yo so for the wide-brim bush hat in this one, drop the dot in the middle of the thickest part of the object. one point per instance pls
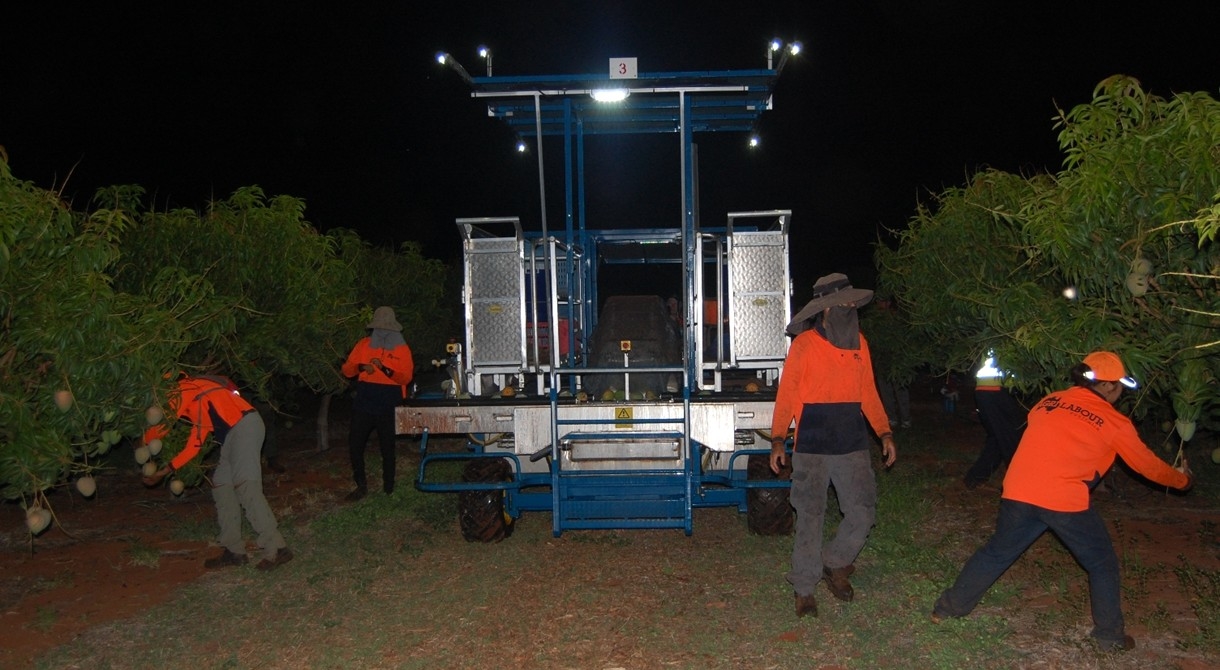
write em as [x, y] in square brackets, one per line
[383, 317]
[831, 290]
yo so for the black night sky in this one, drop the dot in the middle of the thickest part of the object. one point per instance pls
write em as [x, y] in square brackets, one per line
[345, 106]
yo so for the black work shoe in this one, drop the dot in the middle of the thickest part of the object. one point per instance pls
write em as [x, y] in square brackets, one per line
[1125, 644]
[806, 605]
[226, 560]
[358, 494]
[837, 581]
[282, 556]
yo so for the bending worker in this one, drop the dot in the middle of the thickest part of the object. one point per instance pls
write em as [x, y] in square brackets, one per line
[215, 410]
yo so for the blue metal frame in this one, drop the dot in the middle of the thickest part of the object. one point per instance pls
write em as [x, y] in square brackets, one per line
[676, 102]
[718, 488]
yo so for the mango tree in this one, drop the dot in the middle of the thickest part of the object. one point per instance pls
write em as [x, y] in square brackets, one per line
[287, 303]
[419, 289]
[99, 310]
[1116, 251]
[80, 361]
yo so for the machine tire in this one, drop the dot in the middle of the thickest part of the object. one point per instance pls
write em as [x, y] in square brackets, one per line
[768, 511]
[481, 513]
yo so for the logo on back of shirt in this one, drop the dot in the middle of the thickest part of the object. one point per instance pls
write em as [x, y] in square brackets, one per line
[1052, 403]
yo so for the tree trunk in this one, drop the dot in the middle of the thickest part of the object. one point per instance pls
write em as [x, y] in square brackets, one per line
[323, 433]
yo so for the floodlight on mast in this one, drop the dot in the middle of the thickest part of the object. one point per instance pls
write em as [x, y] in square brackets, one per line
[774, 45]
[444, 58]
[793, 49]
[485, 54]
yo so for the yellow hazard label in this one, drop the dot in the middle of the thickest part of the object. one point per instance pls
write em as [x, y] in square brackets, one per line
[623, 417]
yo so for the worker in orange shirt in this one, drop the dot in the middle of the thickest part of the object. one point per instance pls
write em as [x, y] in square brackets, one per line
[827, 389]
[215, 410]
[382, 366]
[1071, 440]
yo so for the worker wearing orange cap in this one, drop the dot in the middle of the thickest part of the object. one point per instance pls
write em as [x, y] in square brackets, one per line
[1070, 442]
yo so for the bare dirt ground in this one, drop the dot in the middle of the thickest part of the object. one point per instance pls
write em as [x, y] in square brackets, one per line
[92, 566]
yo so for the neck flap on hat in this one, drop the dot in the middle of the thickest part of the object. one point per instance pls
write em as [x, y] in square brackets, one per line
[841, 326]
[383, 338]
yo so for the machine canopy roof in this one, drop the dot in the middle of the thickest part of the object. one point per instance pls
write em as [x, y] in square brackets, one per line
[730, 100]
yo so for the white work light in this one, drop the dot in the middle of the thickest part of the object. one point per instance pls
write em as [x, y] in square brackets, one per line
[444, 58]
[485, 54]
[610, 94]
[774, 45]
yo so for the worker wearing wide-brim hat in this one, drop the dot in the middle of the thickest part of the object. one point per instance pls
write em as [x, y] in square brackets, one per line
[828, 391]
[383, 368]
[1071, 440]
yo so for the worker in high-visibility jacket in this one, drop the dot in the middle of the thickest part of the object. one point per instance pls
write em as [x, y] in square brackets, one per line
[827, 389]
[1003, 421]
[383, 368]
[216, 411]
[1070, 442]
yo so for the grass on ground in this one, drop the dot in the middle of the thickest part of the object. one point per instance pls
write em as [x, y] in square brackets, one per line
[389, 583]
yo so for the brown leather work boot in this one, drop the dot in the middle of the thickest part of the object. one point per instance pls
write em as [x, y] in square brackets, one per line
[806, 605]
[837, 581]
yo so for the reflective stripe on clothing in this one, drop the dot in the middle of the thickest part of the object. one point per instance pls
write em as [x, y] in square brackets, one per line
[211, 407]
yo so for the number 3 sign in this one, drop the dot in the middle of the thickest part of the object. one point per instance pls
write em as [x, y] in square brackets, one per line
[623, 68]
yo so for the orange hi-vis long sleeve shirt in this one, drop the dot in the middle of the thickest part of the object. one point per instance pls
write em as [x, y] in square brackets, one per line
[1071, 440]
[397, 360]
[209, 406]
[829, 392]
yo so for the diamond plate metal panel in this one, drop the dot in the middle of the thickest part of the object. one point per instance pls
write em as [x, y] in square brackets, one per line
[495, 286]
[758, 295]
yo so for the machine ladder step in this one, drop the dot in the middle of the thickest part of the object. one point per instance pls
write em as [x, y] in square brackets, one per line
[640, 499]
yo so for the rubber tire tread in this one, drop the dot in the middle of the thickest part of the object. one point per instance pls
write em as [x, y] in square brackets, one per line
[768, 511]
[481, 513]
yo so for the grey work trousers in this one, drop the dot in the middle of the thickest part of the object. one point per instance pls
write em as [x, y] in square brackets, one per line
[856, 487]
[237, 484]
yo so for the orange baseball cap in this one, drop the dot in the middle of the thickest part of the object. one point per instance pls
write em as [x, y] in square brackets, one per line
[1106, 366]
